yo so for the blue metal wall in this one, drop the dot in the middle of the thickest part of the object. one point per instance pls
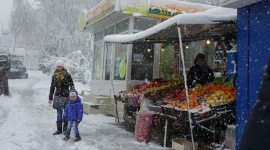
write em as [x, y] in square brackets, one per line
[253, 35]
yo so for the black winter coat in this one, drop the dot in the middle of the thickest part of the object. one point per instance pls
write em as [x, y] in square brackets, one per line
[256, 133]
[199, 75]
[63, 90]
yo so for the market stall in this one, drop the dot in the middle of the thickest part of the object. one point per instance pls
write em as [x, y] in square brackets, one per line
[172, 100]
[206, 103]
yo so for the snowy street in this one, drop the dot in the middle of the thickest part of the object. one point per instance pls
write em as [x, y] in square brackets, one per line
[28, 122]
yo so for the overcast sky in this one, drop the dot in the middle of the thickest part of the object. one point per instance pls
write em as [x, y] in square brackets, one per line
[5, 9]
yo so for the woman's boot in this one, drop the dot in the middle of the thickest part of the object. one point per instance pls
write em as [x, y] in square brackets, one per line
[65, 127]
[59, 128]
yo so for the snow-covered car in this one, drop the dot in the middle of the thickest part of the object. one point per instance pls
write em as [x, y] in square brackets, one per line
[17, 70]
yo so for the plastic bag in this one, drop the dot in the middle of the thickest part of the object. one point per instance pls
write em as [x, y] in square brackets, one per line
[145, 105]
[144, 122]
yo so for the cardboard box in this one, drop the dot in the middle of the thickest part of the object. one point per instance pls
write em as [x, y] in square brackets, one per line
[183, 144]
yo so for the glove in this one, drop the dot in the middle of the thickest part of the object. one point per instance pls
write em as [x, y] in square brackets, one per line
[50, 101]
[78, 121]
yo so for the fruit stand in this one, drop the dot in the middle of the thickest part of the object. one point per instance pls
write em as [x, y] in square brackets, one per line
[178, 109]
[208, 105]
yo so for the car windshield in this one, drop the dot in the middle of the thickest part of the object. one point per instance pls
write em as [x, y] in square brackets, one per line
[15, 63]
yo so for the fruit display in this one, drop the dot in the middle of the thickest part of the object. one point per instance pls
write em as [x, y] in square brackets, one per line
[155, 90]
[202, 99]
[176, 95]
[224, 80]
[220, 98]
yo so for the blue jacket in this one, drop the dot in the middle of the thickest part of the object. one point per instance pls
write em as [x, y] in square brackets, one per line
[74, 110]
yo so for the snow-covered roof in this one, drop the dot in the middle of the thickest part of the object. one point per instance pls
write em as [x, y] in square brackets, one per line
[193, 24]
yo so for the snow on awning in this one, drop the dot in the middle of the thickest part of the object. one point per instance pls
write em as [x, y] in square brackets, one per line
[146, 8]
[195, 26]
[237, 3]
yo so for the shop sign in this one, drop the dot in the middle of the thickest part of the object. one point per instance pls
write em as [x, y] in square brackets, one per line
[102, 10]
[158, 13]
[166, 9]
[159, 8]
[134, 7]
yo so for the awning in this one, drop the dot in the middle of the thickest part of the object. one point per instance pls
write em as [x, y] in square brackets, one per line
[214, 22]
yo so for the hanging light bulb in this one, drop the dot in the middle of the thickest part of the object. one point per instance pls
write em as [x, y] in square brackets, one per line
[148, 49]
[208, 41]
[187, 46]
[162, 49]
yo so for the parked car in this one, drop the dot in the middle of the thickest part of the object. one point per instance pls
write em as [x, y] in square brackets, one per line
[17, 70]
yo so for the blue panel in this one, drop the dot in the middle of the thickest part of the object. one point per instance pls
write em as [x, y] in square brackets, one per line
[259, 46]
[253, 52]
[242, 71]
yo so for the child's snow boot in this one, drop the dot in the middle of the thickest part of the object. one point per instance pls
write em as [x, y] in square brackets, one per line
[67, 137]
[78, 137]
[59, 128]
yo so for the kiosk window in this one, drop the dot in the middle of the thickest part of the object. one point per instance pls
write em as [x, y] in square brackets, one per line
[142, 62]
[122, 26]
[143, 24]
[97, 68]
[108, 61]
[120, 61]
[99, 36]
[109, 30]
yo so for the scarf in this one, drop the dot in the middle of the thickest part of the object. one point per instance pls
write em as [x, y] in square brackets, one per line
[60, 76]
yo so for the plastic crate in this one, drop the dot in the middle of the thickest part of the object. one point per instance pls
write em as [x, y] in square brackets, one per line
[175, 113]
[166, 110]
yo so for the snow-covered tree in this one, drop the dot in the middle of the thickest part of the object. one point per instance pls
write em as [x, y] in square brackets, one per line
[52, 27]
[20, 19]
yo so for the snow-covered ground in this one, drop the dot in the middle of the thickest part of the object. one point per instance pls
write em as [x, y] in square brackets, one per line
[27, 122]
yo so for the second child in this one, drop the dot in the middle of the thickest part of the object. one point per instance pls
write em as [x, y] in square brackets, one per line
[73, 114]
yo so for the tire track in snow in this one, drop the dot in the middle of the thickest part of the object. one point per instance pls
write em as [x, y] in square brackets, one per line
[15, 129]
[3, 115]
[40, 112]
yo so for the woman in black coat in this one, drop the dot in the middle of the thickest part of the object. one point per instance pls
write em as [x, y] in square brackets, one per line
[256, 133]
[200, 73]
[60, 86]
